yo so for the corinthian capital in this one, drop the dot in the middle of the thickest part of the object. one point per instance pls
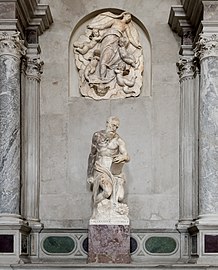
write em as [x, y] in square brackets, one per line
[11, 44]
[207, 46]
[34, 67]
[186, 68]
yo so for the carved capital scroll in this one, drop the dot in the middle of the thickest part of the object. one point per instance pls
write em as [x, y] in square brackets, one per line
[11, 44]
[34, 68]
[186, 68]
[207, 46]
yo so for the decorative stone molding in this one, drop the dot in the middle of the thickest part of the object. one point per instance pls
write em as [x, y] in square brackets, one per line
[24, 15]
[145, 245]
[31, 13]
[187, 15]
[207, 46]
[177, 15]
[41, 18]
[11, 44]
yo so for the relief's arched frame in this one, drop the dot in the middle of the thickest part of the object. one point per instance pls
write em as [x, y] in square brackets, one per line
[145, 41]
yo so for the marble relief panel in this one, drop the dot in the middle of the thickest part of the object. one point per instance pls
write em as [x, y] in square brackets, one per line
[108, 56]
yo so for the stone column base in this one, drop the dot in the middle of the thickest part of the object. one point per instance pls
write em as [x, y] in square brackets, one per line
[182, 227]
[109, 244]
[36, 228]
[204, 243]
[14, 240]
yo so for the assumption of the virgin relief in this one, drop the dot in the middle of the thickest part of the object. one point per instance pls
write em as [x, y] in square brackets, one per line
[109, 58]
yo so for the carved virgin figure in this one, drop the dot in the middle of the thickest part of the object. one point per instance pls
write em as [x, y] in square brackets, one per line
[109, 57]
[107, 157]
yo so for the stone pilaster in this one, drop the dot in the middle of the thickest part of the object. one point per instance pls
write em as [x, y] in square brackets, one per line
[188, 146]
[31, 76]
[31, 129]
[11, 50]
[189, 94]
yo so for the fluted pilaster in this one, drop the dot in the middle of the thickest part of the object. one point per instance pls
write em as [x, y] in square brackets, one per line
[189, 85]
[31, 131]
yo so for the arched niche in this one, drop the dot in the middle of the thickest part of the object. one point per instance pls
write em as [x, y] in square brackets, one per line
[81, 28]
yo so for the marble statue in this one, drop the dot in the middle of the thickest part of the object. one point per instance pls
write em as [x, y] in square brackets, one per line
[104, 174]
[109, 57]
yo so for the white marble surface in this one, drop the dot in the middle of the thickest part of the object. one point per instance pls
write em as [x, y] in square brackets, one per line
[105, 176]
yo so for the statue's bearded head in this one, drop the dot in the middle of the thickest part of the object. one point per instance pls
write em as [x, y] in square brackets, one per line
[112, 124]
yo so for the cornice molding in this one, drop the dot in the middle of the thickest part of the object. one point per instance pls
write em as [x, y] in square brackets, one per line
[28, 14]
[31, 14]
[177, 19]
[187, 17]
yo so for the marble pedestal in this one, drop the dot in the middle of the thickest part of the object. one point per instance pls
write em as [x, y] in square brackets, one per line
[14, 240]
[204, 240]
[109, 244]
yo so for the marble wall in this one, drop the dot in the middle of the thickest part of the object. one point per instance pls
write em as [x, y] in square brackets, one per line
[149, 123]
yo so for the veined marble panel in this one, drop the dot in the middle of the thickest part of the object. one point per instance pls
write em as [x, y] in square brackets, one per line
[208, 139]
[9, 134]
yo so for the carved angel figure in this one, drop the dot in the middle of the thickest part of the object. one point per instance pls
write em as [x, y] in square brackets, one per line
[116, 40]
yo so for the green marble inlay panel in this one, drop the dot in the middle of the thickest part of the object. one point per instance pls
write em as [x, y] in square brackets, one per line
[160, 245]
[58, 244]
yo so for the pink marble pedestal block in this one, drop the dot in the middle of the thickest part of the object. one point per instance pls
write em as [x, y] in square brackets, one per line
[109, 244]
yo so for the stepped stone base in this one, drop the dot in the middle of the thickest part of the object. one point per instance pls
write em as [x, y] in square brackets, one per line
[80, 266]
